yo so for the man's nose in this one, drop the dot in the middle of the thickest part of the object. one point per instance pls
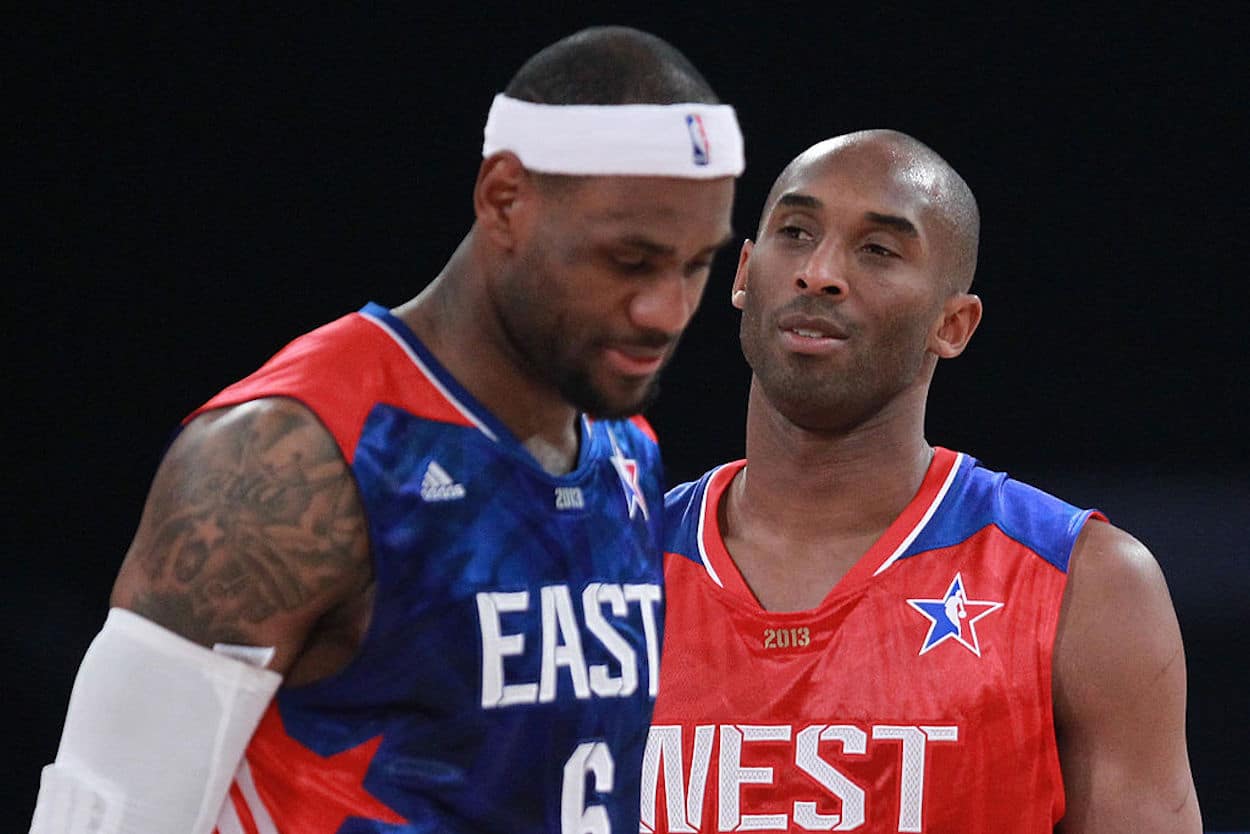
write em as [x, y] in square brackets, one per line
[823, 273]
[667, 304]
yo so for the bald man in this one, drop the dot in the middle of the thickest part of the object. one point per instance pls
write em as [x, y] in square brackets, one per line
[868, 632]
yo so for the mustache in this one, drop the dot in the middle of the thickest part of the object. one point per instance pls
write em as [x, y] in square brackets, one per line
[815, 307]
[646, 339]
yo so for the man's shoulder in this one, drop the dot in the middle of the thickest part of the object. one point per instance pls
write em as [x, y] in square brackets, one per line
[678, 497]
[320, 358]
[980, 497]
[686, 505]
[683, 495]
[1006, 492]
[340, 372]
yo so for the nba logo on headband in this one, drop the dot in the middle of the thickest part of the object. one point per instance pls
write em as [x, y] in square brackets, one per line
[698, 138]
[639, 140]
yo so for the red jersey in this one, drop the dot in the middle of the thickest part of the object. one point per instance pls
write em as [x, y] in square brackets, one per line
[916, 697]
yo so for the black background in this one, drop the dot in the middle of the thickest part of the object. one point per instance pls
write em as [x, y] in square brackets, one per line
[197, 188]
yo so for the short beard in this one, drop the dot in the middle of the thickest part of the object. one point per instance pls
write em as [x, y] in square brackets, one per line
[576, 388]
[827, 401]
[537, 338]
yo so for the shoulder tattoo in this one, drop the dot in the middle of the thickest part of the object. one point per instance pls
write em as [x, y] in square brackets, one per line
[252, 515]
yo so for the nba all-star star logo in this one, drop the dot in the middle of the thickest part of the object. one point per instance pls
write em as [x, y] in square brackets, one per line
[318, 794]
[954, 617]
[627, 469]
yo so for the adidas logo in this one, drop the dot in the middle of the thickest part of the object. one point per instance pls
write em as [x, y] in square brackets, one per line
[437, 485]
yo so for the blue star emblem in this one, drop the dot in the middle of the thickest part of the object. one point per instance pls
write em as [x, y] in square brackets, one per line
[954, 617]
[627, 470]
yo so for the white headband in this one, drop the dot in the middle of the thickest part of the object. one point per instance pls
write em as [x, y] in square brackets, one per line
[699, 141]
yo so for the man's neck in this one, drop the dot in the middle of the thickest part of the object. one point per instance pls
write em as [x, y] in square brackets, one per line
[453, 321]
[808, 505]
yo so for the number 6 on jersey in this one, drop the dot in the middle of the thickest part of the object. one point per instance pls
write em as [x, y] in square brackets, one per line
[590, 758]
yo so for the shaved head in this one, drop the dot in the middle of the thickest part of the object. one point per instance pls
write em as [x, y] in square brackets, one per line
[913, 166]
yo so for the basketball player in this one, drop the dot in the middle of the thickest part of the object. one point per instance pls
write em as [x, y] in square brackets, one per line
[865, 632]
[432, 531]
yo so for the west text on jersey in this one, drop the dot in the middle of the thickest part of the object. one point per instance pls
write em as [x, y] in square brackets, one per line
[812, 752]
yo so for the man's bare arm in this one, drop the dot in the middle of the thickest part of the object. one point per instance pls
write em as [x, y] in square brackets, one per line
[252, 531]
[1119, 689]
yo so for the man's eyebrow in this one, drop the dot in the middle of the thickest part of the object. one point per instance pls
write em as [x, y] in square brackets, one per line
[647, 245]
[799, 201]
[898, 224]
[892, 221]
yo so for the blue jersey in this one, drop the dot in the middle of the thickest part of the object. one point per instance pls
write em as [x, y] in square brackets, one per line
[507, 677]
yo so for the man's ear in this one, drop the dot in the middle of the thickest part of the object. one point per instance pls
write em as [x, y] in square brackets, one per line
[501, 196]
[960, 316]
[738, 295]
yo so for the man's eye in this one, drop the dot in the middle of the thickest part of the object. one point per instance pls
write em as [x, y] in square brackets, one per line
[794, 232]
[631, 265]
[878, 249]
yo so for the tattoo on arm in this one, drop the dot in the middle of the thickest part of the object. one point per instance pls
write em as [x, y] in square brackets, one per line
[253, 516]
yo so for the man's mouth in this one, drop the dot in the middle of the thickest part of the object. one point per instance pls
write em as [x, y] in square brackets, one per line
[635, 361]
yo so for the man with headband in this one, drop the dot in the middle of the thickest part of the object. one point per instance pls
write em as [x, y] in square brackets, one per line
[406, 576]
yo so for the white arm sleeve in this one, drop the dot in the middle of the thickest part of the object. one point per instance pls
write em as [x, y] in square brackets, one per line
[155, 731]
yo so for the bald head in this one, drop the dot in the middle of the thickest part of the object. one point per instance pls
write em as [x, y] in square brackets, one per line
[610, 65]
[905, 163]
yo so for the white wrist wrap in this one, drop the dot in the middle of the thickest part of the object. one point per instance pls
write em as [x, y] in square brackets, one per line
[699, 141]
[155, 731]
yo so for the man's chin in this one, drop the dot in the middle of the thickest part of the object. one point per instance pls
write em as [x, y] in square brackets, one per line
[625, 401]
